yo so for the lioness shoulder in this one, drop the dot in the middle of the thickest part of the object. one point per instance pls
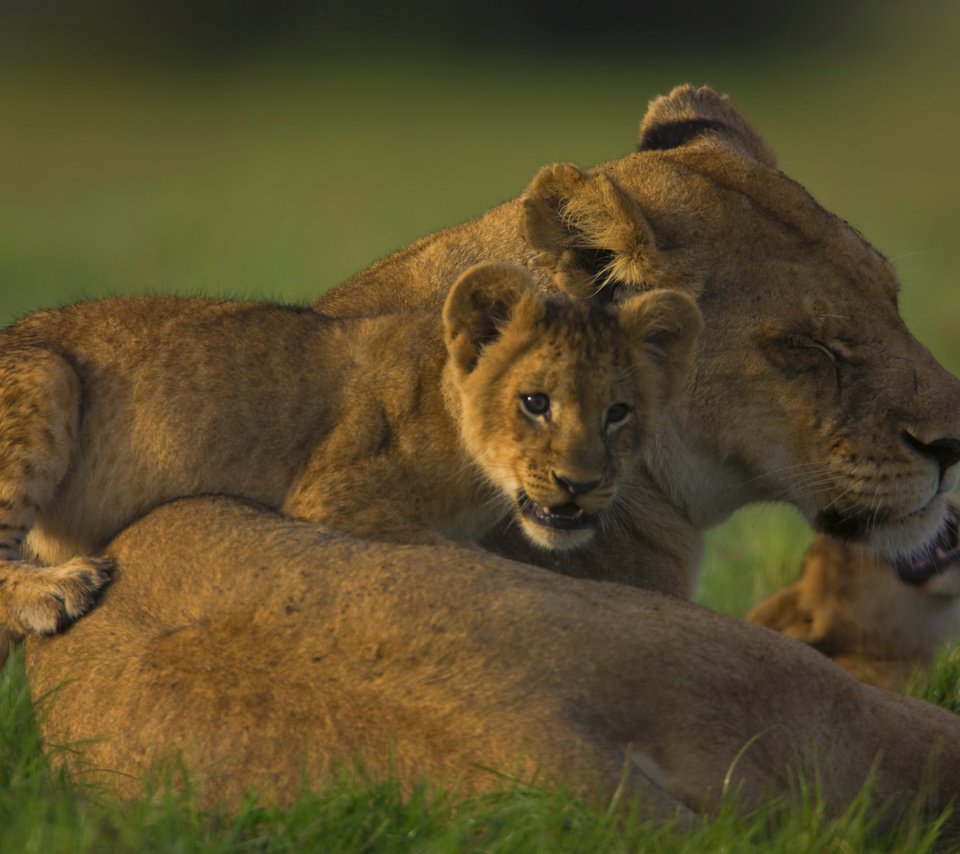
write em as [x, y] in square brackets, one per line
[406, 428]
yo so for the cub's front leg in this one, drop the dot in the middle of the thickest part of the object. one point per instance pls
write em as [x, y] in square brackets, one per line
[375, 499]
[353, 511]
[39, 423]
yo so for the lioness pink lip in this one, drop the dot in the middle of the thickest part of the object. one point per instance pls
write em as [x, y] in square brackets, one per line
[933, 557]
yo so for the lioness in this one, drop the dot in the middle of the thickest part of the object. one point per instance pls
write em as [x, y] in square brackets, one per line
[270, 651]
[807, 387]
[854, 607]
[402, 428]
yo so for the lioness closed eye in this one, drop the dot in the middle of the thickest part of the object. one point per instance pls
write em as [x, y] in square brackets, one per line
[404, 428]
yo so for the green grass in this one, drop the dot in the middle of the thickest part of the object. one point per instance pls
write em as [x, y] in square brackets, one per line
[281, 178]
[942, 684]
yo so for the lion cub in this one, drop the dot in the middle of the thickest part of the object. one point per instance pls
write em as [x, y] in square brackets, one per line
[405, 428]
[879, 621]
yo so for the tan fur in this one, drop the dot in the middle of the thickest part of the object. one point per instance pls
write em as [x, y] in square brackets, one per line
[269, 652]
[807, 387]
[403, 428]
[850, 605]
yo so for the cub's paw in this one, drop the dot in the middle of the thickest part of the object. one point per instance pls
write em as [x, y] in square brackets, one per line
[44, 600]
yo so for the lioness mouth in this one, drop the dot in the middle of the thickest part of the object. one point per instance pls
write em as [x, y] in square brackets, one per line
[568, 517]
[934, 557]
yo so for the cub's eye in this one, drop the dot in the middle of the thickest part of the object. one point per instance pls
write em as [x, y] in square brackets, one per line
[617, 415]
[537, 404]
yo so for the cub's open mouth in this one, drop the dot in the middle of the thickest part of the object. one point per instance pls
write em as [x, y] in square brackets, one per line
[567, 517]
[935, 556]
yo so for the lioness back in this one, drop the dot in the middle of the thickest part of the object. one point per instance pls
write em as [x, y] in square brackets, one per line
[393, 428]
[293, 653]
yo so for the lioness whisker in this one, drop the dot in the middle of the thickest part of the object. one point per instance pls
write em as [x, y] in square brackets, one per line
[814, 468]
[836, 498]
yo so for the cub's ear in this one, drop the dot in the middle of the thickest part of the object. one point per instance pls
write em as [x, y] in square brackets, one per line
[688, 115]
[586, 231]
[667, 325]
[480, 304]
[785, 612]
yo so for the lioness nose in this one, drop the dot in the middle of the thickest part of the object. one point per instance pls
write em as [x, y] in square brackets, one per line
[944, 452]
[573, 487]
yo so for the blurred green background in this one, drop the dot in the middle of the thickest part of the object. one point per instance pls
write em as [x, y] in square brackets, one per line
[271, 150]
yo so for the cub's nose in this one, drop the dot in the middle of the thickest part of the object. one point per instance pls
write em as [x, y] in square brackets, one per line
[575, 487]
[944, 452]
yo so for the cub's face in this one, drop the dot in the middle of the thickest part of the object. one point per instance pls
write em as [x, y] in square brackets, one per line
[557, 396]
[555, 416]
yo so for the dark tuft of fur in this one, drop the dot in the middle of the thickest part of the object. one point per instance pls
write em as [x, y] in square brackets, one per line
[675, 134]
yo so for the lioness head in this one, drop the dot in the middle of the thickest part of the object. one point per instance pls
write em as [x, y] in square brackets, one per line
[557, 395]
[808, 386]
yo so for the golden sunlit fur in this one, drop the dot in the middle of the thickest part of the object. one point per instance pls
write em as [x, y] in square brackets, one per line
[807, 385]
[405, 428]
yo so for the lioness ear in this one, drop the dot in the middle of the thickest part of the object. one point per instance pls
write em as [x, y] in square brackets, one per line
[586, 230]
[480, 303]
[689, 115]
[667, 325]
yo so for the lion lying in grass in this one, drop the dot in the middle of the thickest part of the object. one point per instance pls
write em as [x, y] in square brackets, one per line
[854, 607]
[267, 652]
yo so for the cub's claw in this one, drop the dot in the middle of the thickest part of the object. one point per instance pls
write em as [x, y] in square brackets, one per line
[45, 600]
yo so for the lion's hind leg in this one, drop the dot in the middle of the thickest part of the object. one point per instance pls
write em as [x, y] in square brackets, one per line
[40, 397]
